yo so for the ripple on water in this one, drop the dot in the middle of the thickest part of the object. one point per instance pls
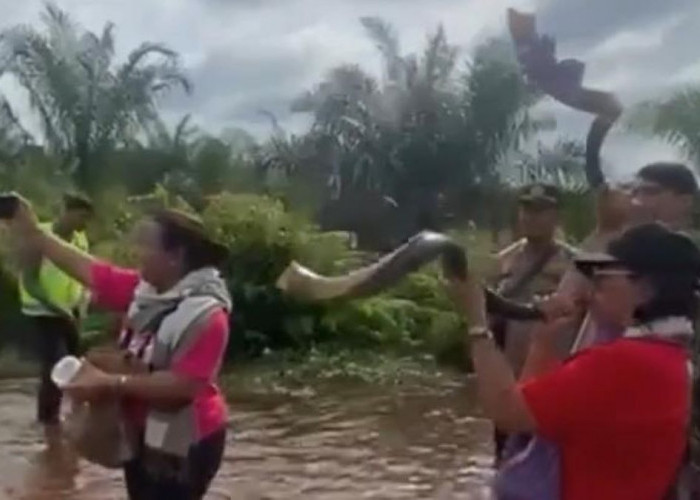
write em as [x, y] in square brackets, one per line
[331, 443]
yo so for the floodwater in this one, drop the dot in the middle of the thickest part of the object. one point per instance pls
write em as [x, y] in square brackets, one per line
[335, 442]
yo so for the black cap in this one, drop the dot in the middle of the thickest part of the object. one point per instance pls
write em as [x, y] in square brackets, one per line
[675, 177]
[543, 195]
[649, 249]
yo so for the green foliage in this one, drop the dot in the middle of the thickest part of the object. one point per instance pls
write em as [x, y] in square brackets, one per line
[577, 216]
[674, 118]
[427, 130]
[263, 238]
[294, 372]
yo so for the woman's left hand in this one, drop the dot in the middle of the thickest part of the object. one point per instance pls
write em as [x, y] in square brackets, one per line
[91, 384]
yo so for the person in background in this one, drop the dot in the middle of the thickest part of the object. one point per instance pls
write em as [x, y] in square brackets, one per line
[529, 268]
[617, 413]
[532, 266]
[53, 303]
[667, 193]
[170, 350]
[662, 192]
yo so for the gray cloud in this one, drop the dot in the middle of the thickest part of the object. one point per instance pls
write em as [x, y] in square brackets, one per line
[244, 55]
[590, 20]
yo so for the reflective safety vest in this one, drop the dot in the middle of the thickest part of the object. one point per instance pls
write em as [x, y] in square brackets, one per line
[59, 289]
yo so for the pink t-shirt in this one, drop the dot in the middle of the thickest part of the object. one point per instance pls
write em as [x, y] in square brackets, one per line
[113, 288]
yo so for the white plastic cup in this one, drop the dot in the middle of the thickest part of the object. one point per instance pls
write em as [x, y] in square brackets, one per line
[65, 371]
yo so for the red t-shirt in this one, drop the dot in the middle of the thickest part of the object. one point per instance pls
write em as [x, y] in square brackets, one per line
[619, 413]
[113, 288]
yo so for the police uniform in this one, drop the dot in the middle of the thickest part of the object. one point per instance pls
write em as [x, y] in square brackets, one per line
[519, 259]
[53, 316]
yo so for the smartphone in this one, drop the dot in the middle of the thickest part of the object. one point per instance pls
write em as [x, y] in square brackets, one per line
[9, 203]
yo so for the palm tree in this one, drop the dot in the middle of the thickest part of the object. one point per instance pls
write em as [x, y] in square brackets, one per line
[562, 165]
[13, 137]
[421, 133]
[676, 119]
[86, 104]
[499, 103]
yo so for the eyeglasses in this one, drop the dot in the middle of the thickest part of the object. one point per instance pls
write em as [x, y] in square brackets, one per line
[603, 274]
[647, 190]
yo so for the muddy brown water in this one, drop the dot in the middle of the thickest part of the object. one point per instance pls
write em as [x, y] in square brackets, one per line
[328, 443]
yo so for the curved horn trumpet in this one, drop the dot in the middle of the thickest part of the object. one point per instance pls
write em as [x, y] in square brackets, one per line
[423, 248]
[563, 80]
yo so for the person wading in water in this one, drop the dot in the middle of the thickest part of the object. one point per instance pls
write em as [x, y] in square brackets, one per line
[166, 361]
[53, 304]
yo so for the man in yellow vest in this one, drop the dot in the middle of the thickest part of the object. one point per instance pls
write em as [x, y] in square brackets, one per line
[53, 304]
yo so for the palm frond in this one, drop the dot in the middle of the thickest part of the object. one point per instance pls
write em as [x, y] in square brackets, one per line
[675, 119]
[387, 42]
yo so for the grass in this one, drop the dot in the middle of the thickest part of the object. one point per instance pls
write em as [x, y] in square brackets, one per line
[291, 372]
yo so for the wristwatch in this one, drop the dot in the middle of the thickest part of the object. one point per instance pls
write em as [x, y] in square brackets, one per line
[480, 332]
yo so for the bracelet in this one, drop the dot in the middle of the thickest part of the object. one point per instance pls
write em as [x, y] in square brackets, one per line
[480, 332]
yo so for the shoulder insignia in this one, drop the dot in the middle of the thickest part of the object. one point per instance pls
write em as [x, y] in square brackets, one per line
[569, 251]
[512, 249]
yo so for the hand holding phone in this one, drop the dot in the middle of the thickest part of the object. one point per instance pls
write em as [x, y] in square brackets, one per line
[9, 205]
[18, 213]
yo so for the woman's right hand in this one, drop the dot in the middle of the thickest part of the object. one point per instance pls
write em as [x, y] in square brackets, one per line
[115, 361]
[557, 305]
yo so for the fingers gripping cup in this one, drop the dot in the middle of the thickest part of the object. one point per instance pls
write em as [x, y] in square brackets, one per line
[65, 371]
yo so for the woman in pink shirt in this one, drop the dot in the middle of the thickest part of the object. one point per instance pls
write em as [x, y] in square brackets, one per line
[174, 339]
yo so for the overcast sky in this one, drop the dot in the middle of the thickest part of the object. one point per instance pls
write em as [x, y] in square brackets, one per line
[244, 55]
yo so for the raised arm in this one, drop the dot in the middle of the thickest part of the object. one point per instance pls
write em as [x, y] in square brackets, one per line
[499, 395]
[38, 242]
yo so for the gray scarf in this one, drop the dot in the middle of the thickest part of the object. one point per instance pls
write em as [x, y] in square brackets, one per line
[179, 315]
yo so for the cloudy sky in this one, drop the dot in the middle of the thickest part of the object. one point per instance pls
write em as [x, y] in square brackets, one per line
[244, 55]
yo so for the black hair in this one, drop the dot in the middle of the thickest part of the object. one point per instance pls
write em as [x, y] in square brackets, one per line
[674, 295]
[668, 261]
[182, 231]
[675, 177]
[72, 201]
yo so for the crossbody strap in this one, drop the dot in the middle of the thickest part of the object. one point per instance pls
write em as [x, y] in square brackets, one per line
[526, 278]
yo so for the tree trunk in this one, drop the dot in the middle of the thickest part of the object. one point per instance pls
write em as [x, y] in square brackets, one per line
[82, 175]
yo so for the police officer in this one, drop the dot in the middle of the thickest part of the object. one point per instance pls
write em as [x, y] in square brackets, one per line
[530, 268]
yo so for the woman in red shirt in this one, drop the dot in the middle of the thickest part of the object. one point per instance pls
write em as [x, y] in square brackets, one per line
[618, 412]
[174, 338]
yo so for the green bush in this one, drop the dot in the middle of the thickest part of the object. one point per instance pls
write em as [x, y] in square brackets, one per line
[263, 238]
